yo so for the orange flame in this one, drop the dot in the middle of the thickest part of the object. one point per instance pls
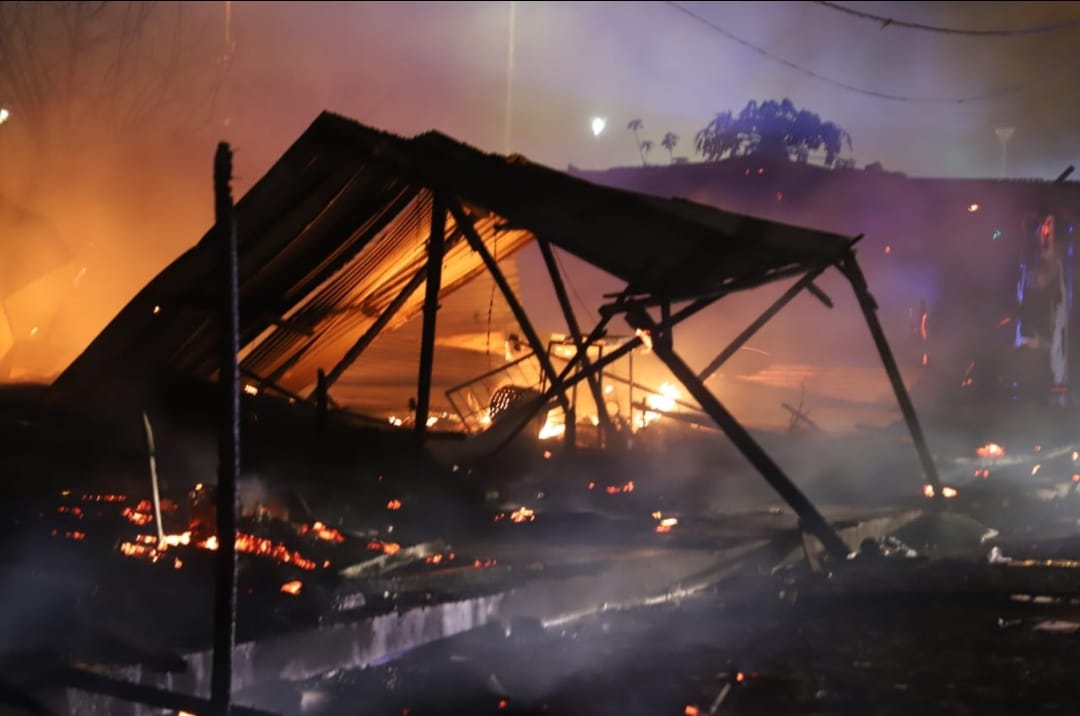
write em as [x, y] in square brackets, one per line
[691, 710]
[990, 450]
[522, 514]
[327, 534]
[390, 548]
[740, 677]
[928, 490]
[393, 505]
[292, 587]
[949, 492]
[138, 518]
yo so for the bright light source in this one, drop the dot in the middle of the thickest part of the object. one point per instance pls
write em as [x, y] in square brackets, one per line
[4, 114]
[972, 208]
[598, 124]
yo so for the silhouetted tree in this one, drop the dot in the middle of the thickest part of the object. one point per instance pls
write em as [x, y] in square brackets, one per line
[773, 130]
[635, 126]
[646, 147]
[669, 142]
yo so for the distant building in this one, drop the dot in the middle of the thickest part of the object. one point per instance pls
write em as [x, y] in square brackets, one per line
[974, 277]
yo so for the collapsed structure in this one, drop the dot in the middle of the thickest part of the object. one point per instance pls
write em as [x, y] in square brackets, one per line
[353, 231]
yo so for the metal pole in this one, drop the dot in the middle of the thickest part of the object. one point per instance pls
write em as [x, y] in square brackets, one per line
[228, 437]
[766, 316]
[431, 308]
[855, 275]
[606, 428]
[810, 518]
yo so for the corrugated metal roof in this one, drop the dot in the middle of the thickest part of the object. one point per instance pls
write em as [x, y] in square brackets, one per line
[331, 234]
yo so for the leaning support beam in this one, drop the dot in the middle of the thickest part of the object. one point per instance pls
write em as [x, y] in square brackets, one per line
[812, 520]
[228, 437]
[477, 244]
[376, 328]
[95, 683]
[436, 244]
[606, 428]
[854, 274]
[566, 381]
[767, 315]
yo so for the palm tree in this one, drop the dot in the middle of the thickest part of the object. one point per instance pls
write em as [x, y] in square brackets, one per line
[635, 126]
[646, 147]
[669, 142]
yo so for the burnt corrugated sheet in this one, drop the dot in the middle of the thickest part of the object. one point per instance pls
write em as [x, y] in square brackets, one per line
[330, 235]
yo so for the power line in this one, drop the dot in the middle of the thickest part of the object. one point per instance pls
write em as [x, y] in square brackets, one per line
[885, 22]
[997, 94]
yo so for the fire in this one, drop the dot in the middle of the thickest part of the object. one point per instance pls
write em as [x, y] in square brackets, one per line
[73, 510]
[390, 548]
[666, 524]
[139, 519]
[616, 489]
[484, 563]
[433, 559]
[949, 492]
[691, 710]
[522, 514]
[740, 677]
[982, 473]
[551, 429]
[211, 543]
[990, 450]
[503, 703]
[250, 389]
[592, 485]
[646, 338]
[928, 490]
[393, 505]
[104, 498]
[1035, 470]
[664, 402]
[327, 534]
[251, 544]
[292, 587]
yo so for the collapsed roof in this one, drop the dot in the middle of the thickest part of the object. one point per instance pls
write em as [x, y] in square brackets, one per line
[336, 232]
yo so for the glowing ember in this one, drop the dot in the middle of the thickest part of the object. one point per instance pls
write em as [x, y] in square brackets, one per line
[433, 559]
[251, 544]
[948, 492]
[1035, 470]
[983, 473]
[484, 563]
[327, 534]
[250, 389]
[592, 485]
[740, 677]
[663, 402]
[140, 519]
[74, 510]
[522, 514]
[615, 489]
[691, 710]
[292, 587]
[393, 505]
[990, 450]
[104, 498]
[547, 454]
[390, 548]
[1075, 456]
[646, 338]
[503, 703]
[551, 429]
[211, 543]
[928, 490]
[1076, 477]
[177, 563]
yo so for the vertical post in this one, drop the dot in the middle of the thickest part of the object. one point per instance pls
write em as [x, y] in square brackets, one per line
[431, 308]
[810, 518]
[855, 275]
[579, 341]
[228, 437]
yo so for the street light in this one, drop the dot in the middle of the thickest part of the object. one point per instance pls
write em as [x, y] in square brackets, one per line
[1004, 134]
[598, 124]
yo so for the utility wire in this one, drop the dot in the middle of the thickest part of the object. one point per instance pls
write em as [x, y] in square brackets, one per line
[997, 94]
[885, 22]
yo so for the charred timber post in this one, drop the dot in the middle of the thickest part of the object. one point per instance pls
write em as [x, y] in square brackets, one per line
[606, 428]
[537, 346]
[435, 247]
[767, 315]
[811, 519]
[855, 276]
[228, 437]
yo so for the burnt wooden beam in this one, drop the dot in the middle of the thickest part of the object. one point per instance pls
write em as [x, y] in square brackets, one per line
[606, 427]
[377, 327]
[95, 683]
[811, 519]
[851, 269]
[228, 436]
[758, 323]
[465, 223]
[435, 246]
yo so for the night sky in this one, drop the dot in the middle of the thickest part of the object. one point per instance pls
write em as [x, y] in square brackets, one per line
[129, 195]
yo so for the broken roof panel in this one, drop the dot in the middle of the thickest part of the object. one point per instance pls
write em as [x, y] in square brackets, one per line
[336, 229]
